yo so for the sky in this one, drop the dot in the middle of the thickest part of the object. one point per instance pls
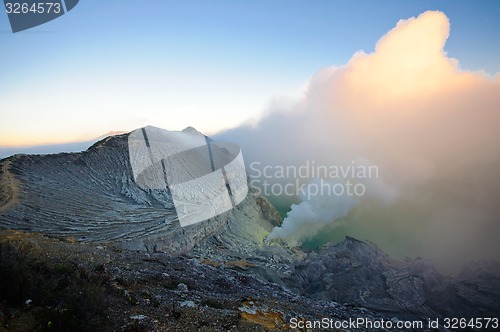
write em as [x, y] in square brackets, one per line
[113, 65]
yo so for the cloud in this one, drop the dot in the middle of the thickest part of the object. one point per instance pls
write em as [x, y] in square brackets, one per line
[431, 127]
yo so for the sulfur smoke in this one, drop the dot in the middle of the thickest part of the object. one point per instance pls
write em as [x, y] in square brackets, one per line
[430, 126]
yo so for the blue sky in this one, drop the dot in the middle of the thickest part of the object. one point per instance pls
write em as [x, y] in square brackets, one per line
[121, 64]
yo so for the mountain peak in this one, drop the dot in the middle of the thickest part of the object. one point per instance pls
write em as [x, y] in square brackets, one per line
[188, 129]
[191, 130]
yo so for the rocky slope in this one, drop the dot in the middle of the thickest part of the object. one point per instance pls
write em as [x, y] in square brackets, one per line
[359, 273]
[92, 196]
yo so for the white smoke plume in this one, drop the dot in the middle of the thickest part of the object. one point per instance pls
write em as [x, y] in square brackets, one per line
[307, 218]
[430, 126]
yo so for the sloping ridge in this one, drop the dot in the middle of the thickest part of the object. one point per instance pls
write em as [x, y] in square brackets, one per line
[359, 273]
[92, 196]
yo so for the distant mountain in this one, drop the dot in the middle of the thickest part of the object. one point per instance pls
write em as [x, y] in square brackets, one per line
[54, 148]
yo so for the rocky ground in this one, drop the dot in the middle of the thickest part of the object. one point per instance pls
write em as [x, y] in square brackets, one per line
[54, 284]
[59, 284]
